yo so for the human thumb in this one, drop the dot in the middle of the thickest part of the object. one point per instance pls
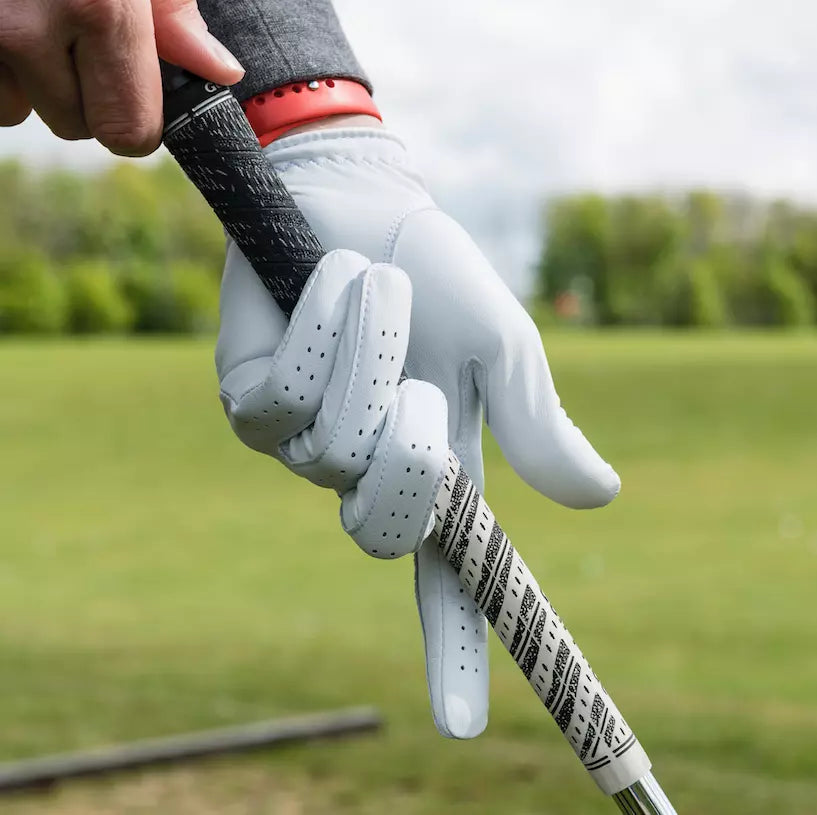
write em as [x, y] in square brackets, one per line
[182, 39]
[537, 437]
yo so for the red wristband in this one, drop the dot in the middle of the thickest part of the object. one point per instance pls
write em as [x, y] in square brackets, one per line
[274, 112]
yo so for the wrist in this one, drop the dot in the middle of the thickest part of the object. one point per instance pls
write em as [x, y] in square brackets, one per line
[311, 105]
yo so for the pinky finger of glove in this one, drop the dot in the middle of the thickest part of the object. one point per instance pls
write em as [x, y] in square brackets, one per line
[389, 511]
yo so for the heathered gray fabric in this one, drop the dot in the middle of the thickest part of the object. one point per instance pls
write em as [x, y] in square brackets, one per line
[280, 41]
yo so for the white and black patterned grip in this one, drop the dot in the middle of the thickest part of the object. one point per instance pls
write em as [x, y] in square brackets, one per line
[500, 584]
[208, 134]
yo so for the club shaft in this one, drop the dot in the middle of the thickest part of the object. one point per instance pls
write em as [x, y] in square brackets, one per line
[645, 797]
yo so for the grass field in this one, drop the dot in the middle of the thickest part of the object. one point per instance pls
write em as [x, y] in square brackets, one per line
[157, 577]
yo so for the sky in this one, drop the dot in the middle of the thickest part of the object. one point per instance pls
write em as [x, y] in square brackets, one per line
[503, 104]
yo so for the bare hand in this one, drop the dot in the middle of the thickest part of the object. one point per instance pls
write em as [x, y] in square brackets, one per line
[90, 69]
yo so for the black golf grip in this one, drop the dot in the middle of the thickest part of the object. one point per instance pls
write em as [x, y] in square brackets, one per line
[208, 134]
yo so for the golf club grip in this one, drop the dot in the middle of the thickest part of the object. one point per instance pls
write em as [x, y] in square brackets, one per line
[210, 138]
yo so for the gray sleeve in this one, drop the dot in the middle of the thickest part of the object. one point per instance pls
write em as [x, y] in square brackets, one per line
[281, 41]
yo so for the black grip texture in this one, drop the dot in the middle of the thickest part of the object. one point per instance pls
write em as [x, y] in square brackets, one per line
[209, 136]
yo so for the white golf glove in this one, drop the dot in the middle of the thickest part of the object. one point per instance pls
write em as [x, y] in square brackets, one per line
[469, 337]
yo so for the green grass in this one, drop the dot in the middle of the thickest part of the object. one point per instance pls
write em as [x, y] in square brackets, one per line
[157, 577]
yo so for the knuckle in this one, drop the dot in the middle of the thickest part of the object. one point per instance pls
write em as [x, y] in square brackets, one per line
[96, 13]
[22, 32]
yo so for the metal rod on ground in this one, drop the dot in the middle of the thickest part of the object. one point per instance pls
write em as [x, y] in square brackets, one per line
[40, 772]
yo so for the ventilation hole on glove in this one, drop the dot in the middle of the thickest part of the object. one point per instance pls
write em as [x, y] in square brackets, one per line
[343, 472]
[395, 335]
[413, 446]
[462, 608]
[422, 472]
[334, 333]
[383, 333]
[462, 591]
[354, 454]
[428, 448]
[374, 551]
[408, 469]
[309, 350]
[278, 94]
[296, 88]
[300, 398]
[277, 421]
[384, 535]
[369, 408]
[322, 355]
[275, 402]
[462, 647]
[266, 411]
[360, 432]
[476, 651]
[298, 368]
[289, 413]
[387, 381]
[398, 536]
[401, 492]
[462, 627]
[374, 382]
[368, 457]
[476, 671]
[311, 377]
[414, 495]
[381, 408]
[392, 554]
[286, 387]
[319, 326]
[405, 518]
[380, 356]
[462, 667]
[392, 514]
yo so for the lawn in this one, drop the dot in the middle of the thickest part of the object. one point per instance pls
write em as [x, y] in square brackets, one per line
[157, 577]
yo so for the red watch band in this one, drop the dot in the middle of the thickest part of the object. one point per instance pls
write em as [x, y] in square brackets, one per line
[274, 112]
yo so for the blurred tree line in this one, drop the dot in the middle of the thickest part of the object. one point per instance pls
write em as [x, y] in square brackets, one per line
[130, 248]
[695, 260]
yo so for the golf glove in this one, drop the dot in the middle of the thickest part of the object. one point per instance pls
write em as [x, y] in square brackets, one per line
[470, 338]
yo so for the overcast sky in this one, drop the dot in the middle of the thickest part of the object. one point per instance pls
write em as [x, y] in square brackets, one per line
[504, 103]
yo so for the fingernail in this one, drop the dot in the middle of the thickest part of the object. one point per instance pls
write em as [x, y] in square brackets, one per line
[223, 55]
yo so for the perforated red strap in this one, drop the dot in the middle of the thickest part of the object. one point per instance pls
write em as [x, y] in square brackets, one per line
[274, 112]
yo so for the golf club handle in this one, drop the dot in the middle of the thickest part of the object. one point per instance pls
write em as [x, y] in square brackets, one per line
[208, 134]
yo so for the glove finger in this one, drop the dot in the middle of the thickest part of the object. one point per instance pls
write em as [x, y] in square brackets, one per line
[525, 415]
[455, 636]
[273, 373]
[389, 511]
[337, 449]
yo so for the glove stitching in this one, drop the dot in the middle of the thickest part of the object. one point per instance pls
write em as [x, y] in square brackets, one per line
[393, 234]
[304, 163]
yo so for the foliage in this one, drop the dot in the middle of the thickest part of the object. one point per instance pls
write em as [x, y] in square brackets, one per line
[96, 301]
[694, 260]
[32, 297]
[91, 230]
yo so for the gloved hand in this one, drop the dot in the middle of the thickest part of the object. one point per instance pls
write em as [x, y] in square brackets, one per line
[469, 337]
